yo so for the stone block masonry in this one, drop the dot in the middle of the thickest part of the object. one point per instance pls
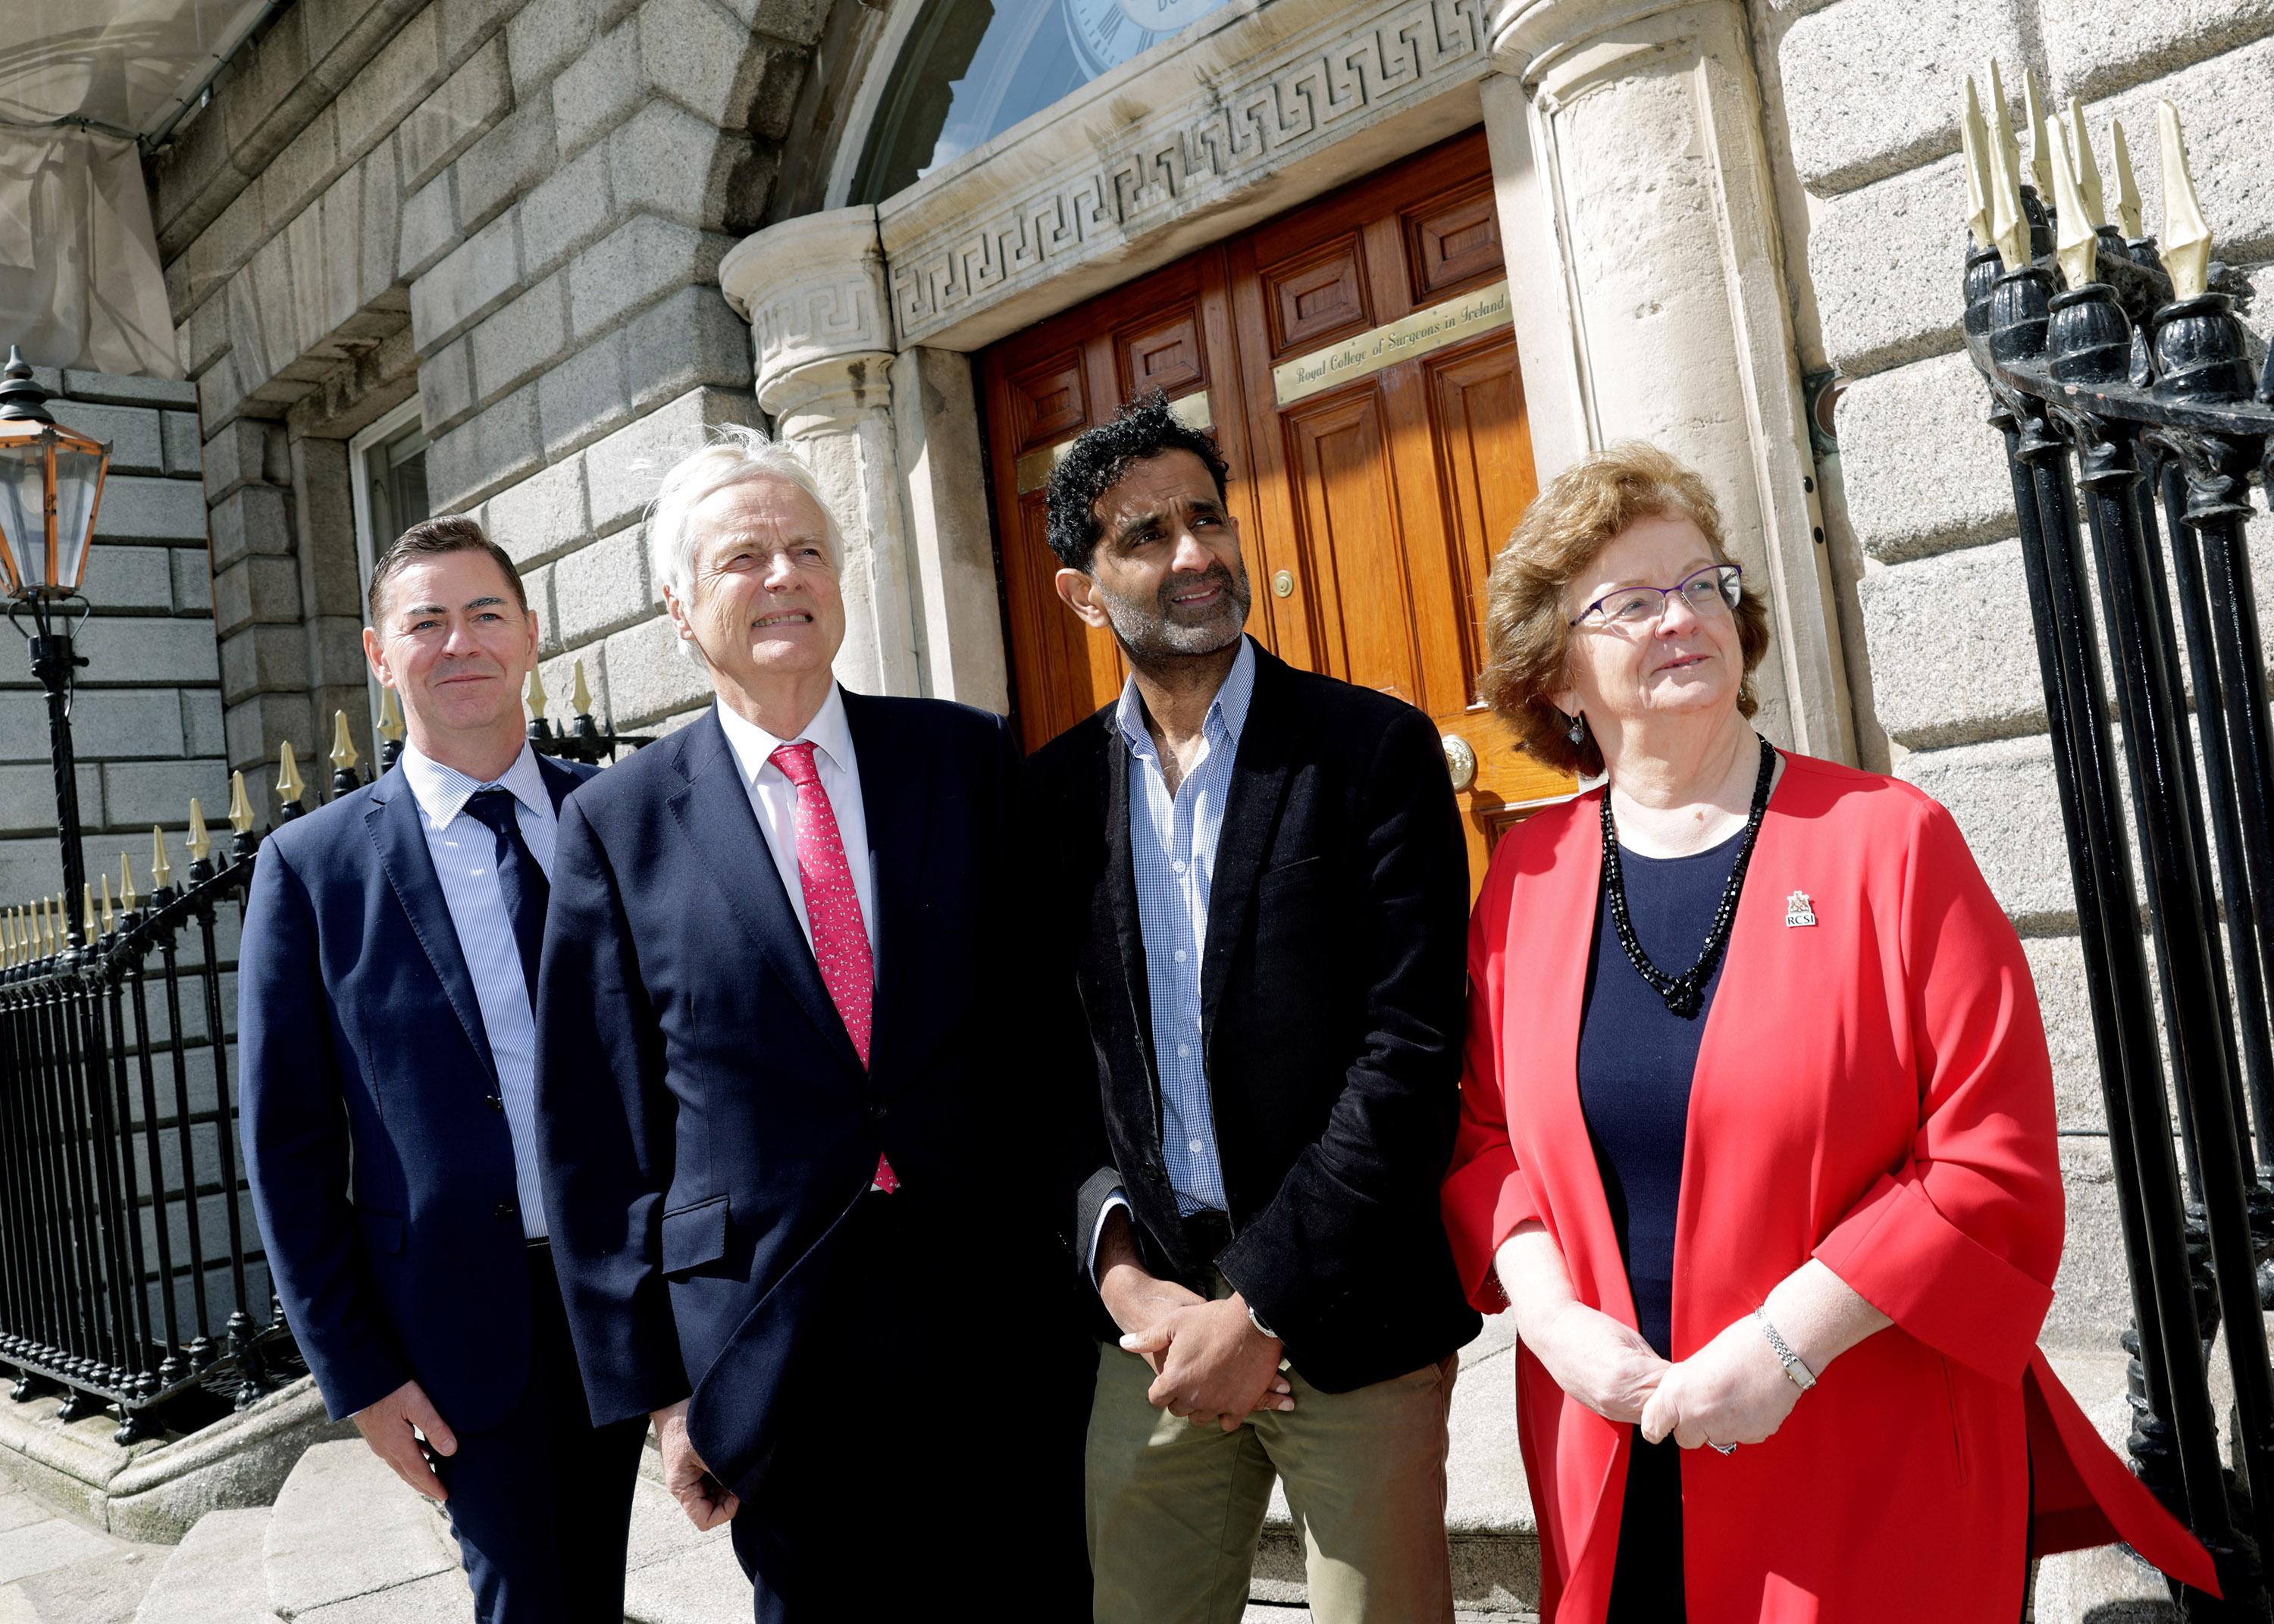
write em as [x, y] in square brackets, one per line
[146, 715]
[1871, 93]
[512, 211]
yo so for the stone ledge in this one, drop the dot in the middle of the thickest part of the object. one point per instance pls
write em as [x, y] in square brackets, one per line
[156, 1490]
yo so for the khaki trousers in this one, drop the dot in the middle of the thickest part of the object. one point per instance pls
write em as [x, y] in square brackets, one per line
[1176, 1511]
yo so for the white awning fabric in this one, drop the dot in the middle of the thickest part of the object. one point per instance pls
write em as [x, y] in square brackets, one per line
[81, 82]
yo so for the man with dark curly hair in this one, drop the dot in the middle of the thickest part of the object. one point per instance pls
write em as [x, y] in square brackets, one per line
[1253, 898]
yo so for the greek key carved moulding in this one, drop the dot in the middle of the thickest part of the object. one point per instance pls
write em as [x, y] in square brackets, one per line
[1247, 119]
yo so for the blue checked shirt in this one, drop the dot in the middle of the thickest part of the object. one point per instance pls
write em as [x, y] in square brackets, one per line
[1172, 847]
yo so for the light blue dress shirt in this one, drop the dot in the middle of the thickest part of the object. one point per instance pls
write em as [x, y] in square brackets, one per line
[1172, 839]
[464, 850]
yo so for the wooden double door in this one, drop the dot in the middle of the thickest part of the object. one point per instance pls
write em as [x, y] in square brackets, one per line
[1356, 364]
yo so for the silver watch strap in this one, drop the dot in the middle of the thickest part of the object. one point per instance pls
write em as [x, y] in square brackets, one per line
[1801, 1376]
[1256, 1321]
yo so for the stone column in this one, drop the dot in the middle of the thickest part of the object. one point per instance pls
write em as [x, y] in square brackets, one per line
[894, 437]
[1646, 267]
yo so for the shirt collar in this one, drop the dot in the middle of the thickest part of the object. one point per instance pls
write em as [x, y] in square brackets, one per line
[828, 732]
[1227, 712]
[443, 792]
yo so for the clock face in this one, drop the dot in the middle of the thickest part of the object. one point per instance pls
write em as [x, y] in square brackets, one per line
[1107, 32]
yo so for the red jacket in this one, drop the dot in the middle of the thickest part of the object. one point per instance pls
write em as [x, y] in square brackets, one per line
[1873, 1090]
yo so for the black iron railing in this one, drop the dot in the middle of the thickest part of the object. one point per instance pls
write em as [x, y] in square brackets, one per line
[2133, 422]
[130, 1270]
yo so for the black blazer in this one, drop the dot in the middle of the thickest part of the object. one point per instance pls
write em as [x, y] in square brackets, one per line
[1332, 990]
[705, 1118]
[382, 1178]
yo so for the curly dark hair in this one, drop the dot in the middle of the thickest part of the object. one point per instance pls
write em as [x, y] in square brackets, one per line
[1094, 465]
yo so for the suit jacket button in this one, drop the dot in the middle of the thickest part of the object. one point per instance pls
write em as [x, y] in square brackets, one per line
[493, 1102]
[874, 1110]
[504, 1210]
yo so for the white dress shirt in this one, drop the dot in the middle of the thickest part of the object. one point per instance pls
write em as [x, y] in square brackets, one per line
[774, 799]
[464, 850]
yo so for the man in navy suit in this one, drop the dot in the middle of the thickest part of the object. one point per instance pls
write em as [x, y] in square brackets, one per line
[385, 994]
[785, 1101]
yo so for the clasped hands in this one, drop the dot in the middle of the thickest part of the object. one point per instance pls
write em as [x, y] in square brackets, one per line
[1731, 1391]
[1209, 1361]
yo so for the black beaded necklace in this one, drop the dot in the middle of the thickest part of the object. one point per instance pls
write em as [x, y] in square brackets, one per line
[1685, 993]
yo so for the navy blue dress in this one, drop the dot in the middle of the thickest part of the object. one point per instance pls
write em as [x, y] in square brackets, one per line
[1636, 1061]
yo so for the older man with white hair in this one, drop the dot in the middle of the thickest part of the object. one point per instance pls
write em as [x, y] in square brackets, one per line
[784, 1104]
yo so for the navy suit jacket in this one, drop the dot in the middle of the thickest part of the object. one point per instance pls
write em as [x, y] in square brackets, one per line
[382, 1176]
[707, 1121]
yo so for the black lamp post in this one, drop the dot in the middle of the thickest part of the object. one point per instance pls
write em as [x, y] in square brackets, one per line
[50, 482]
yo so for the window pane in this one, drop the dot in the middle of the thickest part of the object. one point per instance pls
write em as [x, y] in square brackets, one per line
[396, 470]
[971, 69]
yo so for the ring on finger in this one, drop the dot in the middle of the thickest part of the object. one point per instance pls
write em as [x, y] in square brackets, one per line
[1720, 1449]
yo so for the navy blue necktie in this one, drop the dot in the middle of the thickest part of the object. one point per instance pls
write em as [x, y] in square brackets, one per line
[526, 888]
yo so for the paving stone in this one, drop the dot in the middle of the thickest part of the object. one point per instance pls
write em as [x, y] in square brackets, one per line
[468, 105]
[143, 509]
[445, 1598]
[215, 1575]
[1923, 472]
[1872, 87]
[346, 1526]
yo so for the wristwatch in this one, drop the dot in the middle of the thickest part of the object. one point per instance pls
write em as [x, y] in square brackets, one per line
[1801, 1376]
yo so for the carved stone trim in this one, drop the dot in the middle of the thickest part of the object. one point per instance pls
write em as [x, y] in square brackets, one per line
[1193, 132]
[814, 290]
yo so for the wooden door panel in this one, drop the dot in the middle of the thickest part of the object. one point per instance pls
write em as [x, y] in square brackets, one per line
[1378, 503]
[1354, 554]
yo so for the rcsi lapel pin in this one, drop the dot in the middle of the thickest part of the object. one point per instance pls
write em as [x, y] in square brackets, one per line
[1797, 910]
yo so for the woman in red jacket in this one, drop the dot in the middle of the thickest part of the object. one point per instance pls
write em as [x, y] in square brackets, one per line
[1767, 1174]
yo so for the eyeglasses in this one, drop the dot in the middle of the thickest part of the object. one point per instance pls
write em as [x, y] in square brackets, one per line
[1713, 589]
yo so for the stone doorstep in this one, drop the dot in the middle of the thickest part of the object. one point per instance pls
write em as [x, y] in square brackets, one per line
[215, 1575]
[156, 1490]
[345, 1528]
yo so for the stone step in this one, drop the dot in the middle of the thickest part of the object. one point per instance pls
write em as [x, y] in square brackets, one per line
[350, 1543]
[215, 1575]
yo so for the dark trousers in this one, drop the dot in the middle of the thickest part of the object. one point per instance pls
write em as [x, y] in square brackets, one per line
[930, 1453]
[1646, 1585]
[542, 1503]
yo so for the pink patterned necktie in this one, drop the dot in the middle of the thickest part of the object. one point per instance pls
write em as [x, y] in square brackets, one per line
[832, 909]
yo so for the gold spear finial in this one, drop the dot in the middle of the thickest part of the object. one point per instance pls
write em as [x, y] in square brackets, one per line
[1973, 140]
[2127, 188]
[390, 716]
[199, 842]
[580, 696]
[8, 939]
[108, 916]
[240, 804]
[2087, 167]
[345, 754]
[535, 695]
[162, 870]
[2078, 243]
[2185, 243]
[127, 899]
[47, 931]
[2041, 151]
[86, 905]
[2009, 227]
[288, 783]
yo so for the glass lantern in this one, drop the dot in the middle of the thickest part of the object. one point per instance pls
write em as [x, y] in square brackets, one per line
[50, 485]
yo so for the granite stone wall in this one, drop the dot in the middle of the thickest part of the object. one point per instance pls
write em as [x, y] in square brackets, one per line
[513, 211]
[1864, 97]
[146, 715]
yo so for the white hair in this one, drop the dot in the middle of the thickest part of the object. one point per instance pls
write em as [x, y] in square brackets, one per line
[736, 455]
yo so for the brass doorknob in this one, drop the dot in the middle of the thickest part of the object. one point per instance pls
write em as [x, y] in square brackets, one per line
[1460, 761]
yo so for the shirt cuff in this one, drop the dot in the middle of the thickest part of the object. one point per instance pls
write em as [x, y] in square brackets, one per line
[1118, 1198]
